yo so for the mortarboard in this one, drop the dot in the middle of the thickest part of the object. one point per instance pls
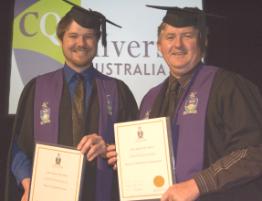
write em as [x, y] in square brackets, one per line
[187, 16]
[90, 19]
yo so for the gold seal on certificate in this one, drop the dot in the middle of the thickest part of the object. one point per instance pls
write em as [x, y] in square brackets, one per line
[159, 181]
[145, 161]
[57, 173]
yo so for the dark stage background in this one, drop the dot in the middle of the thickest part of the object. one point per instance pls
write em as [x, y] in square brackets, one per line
[234, 43]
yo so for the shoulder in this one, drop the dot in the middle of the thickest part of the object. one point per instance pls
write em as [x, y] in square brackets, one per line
[51, 75]
[30, 86]
[233, 90]
[156, 89]
[108, 80]
[151, 96]
[227, 81]
[121, 89]
[114, 86]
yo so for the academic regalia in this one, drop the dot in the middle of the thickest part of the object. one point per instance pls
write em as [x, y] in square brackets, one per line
[26, 123]
[233, 125]
[127, 110]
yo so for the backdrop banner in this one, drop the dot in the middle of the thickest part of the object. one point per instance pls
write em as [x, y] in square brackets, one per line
[131, 53]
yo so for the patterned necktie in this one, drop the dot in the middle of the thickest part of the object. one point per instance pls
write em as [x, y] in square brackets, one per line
[78, 109]
[173, 97]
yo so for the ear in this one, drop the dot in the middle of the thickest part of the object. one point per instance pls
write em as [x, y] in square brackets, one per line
[158, 46]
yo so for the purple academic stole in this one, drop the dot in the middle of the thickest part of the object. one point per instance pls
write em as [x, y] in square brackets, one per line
[48, 94]
[108, 107]
[188, 126]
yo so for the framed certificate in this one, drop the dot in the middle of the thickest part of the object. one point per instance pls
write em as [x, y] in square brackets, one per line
[145, 161]
[57, 173]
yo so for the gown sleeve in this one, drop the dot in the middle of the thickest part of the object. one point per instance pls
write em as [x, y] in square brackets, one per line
[22, 144]
[234, 120]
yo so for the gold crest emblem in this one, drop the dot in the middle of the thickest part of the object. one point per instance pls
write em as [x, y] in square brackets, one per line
[140, 133]
[45, 114]
[58, 159]
[191, 104]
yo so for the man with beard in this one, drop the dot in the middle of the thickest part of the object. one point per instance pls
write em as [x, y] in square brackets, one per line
[48, 110]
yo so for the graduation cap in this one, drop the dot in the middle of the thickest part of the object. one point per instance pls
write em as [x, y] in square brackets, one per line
[182, 17]
[90, 19]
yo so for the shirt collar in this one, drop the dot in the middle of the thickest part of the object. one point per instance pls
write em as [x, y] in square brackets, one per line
[88, 74]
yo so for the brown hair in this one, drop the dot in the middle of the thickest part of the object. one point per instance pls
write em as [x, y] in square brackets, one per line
[63, 25]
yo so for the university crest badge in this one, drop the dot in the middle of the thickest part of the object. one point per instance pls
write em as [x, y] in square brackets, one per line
[45, 114]
[191, 104]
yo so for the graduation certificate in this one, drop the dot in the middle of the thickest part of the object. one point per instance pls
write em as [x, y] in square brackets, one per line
[57, 173]
[145, 161]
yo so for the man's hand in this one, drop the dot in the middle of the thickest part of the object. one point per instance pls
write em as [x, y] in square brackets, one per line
[26, 185]
[111, 155]
[92, 145]
[184, 191]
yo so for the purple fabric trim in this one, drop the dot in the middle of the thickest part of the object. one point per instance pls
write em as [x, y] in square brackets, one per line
[188, 131]
[148, 101]
[48, 131]
[108, 107]
[190, 128]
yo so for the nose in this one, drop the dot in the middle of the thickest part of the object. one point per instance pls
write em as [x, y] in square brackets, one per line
[178, 41]
[81, 41]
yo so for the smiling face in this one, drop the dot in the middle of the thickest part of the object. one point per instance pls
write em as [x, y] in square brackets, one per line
[180, 48]
[79, 46]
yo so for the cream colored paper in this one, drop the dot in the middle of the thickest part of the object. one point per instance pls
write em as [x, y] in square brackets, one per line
[145, 158]
[56, 174]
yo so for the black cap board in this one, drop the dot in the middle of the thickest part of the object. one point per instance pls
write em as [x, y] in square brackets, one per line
[90, 19]
[182, 17]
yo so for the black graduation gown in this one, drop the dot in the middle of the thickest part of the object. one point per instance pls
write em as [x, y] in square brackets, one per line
[233, 122]
[23, 131]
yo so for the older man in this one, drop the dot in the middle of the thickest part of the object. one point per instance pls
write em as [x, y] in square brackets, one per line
[216, 117]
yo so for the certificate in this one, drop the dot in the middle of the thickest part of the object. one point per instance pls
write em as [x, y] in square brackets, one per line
[145, 161]
[57, 173]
